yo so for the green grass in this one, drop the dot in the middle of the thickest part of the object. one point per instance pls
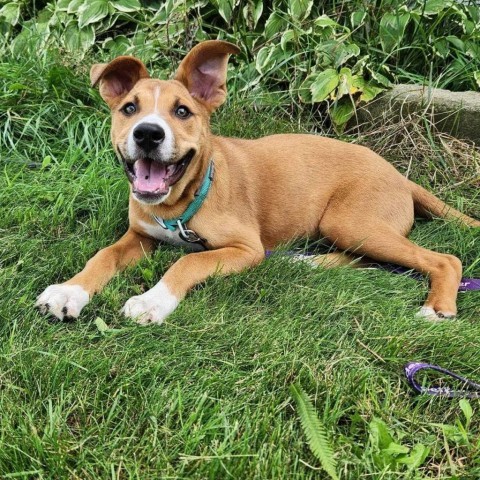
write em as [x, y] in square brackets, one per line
[207, 394]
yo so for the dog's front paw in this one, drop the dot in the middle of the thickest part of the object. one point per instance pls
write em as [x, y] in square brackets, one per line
[62, 301]
[151, 307]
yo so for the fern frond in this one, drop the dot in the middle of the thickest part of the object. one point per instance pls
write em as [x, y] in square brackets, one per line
[315, 431]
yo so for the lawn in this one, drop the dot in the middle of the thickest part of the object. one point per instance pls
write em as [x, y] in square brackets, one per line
[207, 394]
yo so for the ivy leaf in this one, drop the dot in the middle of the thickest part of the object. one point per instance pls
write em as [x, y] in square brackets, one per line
[92, 12]
[324, 84]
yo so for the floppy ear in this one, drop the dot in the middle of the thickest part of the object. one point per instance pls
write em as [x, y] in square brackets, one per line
[204, 71]
[117, 78]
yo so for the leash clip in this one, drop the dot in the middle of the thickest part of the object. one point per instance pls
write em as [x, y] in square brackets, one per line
[188, 235]
[470, 389]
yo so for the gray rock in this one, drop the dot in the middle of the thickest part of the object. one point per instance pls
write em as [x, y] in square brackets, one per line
[456, 113]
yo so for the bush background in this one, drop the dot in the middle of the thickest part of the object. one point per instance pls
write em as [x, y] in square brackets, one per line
[338, 53]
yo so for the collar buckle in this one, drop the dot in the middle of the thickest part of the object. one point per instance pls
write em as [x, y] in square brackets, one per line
[188, 235]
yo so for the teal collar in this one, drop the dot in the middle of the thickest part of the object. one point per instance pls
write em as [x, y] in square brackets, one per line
[179, 223]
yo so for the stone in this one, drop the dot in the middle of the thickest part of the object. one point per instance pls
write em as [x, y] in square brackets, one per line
[455, 113]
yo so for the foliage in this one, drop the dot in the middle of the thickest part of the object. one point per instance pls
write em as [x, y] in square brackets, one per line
[338, 53]
[315, 431]
[389, 453]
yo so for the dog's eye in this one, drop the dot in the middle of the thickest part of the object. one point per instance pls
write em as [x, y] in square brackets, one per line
[129, 108]
[182, 112]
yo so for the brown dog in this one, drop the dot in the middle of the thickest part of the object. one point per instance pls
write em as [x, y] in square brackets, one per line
[262, 193]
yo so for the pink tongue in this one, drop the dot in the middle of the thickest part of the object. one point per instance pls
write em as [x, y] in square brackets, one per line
[150, 177]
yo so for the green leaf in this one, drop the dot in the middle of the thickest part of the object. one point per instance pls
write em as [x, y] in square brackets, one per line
[315, 431]
[46, 161]
[76, 39]
[117, 45]
[225, 9]
[465, 406]
[432, 7]
[476, 76]
[10, 12]
[92, 12]
[325, 21]
[345, 52]
[357, 17]
[304, 91]
[416, 457]
[299, 9]
[253, 11]
[74, 6]
[126, 5]
[395, 449]
[379, 78]
[441, 47]
[324, 84]
[274, 25]
[101, 325]
[456, 42]
[341, 113]
[345, 84]
[392, 29]
[62, 5]
[379, 434]
[369, 91]
[287, 37]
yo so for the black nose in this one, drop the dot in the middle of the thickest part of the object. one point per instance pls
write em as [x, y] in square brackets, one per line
[148, 136]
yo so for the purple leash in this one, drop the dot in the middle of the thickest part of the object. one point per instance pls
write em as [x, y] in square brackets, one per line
[472, 389]
[466, 284]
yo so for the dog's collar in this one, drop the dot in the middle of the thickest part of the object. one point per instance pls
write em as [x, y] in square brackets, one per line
[179, 223]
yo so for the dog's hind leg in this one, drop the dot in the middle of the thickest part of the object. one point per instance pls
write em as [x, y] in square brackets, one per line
[380, 241]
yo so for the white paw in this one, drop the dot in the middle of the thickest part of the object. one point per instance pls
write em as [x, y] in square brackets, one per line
[430, 314]
[151, 307]
[62, 301]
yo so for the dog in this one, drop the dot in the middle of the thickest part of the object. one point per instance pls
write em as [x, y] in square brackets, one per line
[231, 199]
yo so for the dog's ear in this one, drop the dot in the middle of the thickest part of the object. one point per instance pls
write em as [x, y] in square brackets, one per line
[204, 71]
[117, 78]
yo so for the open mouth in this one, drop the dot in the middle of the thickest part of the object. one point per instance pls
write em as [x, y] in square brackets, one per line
[152, 179]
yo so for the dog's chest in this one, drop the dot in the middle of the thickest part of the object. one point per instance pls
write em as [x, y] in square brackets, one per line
[173, 238]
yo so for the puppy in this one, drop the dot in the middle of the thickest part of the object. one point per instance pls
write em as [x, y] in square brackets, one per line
[231, 199]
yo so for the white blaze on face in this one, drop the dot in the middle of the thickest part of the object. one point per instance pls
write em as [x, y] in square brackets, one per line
[164, 151]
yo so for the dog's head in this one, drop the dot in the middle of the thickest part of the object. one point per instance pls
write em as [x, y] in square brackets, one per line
[159, 127]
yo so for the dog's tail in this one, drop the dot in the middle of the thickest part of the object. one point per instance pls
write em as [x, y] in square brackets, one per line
[429, 206]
